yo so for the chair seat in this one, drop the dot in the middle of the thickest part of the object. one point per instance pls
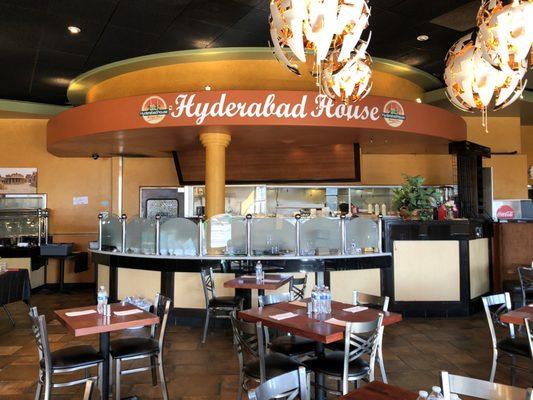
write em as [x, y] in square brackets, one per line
[333, 364]
[518, 346]
[275, 364]
[133, 346]
[292, 345]
[225, 301]
[75, 356]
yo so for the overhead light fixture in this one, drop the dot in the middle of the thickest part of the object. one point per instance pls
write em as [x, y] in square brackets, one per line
[208, 88]
[418, 100]
[422, 38]
[472, 82]
[74, 30]
[324, 36]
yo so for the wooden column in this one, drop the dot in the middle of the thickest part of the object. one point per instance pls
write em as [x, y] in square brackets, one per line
[215, 171]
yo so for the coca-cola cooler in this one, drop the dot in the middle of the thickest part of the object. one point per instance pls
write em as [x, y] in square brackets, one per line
[503, 210]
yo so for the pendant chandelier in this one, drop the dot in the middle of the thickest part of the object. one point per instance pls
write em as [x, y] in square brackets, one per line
[489, 64]
[324, 36]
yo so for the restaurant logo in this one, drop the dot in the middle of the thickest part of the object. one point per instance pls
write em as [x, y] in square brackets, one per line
[154, 110]
[505, 212]
[393, 113]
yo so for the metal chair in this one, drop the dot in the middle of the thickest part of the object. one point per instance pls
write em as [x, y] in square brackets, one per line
[290, 345]
[361, 339]
[529, 331]
[250, 344]
[526, 284]
[477, 388]
[63, 361]
[88, 392]
[292, 385]
[496, 305]
[135, 348]
[216, 306]
[297, 287]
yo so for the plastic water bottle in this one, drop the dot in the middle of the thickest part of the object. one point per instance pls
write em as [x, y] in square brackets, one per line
[259, 271]
[436, 393]
[314, 299]
[327, 305]
[422, 395]
[102, 300]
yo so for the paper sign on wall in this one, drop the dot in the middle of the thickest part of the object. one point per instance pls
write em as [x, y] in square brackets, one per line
[77, 201]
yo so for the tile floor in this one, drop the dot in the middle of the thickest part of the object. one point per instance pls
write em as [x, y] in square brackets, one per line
[415, 352]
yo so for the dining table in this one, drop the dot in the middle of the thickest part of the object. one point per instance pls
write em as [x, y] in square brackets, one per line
[322, 328]
[246, 283]
[377, 390]
[517, 316]
[82, 321]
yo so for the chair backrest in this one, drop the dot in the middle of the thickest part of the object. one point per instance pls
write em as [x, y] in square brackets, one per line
[370, 300]
[208, 284]
[290, 386]
[526, 282]
[529, 329]
[249, 342]
[274, 298]
[477, 388]
[361, 338]
[162, 310]
[496, 305]
[40, 333]
[297, 287]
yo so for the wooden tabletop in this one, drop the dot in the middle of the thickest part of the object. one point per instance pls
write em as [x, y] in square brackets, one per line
[314, 329]
[97, 323]
[272, 282]
[517, 316]
[377, 390]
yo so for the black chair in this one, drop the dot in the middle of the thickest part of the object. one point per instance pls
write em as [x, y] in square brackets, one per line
[216, 306]
[290, 345]
[526, 284]
[135, 348]
[361, 339]
[66, 360]
[297, 287]
[511, 346]
[258, 365]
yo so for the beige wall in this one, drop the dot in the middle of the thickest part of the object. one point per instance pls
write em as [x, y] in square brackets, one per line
[527, 145]
[478, 252]
[420, 276]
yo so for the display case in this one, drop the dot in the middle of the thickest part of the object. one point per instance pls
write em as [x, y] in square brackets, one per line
[23, 220]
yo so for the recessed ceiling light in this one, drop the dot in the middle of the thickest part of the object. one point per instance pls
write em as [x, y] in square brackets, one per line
[418, 100]
[422, 38]
[208, 88]
[74, 29]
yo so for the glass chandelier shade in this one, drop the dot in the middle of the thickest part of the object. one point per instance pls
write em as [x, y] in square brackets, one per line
[313, 27]
[506, 33]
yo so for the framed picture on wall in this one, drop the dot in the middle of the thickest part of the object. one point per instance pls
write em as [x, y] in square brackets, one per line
[18, 180]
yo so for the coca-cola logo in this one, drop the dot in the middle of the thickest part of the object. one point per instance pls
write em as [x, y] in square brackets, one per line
[505, 212]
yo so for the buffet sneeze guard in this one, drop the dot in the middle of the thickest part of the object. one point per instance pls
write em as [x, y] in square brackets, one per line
[237, 236]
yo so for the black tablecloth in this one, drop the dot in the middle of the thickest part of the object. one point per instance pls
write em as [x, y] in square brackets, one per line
[15, 286]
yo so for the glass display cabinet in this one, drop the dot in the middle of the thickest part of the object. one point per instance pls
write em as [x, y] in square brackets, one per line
[23, 220]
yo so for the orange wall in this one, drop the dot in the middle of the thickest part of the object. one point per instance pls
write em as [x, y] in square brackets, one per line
[527, 146]
[23, 144]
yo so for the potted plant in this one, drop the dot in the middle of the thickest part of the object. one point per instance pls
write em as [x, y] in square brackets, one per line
[413, 201]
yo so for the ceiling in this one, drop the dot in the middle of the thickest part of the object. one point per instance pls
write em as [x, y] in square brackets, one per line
[39, 56]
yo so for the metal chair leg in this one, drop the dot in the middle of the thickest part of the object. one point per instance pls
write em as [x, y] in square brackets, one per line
[39, 390]
[162, 379]
[9, 315]
[89, 389]
[241, 384]
[382, 365]
[494, 365]
[206, 325]
[153, 364]
[47, 389]
[117, 379]
[99, 380]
